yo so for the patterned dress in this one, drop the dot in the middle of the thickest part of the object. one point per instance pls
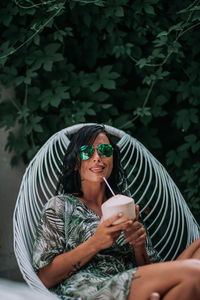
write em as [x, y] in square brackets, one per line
[66, 223]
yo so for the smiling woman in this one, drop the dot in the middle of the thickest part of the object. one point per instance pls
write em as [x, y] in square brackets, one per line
[79, 255]
[97, 165]
[91, 142]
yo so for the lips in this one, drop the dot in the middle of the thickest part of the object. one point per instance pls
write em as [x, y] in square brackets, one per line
[97, 169]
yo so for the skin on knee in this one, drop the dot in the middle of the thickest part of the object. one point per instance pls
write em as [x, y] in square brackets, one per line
[192, 251]
[196, 254]
[188, 289]
[163, 277]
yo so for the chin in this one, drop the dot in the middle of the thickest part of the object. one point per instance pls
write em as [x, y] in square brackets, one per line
[97, 178]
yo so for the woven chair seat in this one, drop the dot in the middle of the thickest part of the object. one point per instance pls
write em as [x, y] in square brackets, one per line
[170, 223]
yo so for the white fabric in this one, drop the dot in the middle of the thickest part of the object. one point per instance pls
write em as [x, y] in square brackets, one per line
[10, 290]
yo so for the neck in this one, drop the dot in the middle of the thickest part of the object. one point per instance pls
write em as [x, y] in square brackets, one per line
[93, 194]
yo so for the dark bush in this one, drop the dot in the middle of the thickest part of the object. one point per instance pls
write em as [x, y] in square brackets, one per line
[131, 64]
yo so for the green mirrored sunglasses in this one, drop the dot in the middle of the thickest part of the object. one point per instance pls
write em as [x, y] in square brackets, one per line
[87, 151]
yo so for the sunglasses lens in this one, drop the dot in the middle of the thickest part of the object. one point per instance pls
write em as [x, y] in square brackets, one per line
[105, 150]
[86, 151]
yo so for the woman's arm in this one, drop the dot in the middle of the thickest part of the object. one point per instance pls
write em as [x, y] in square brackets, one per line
[66, 264]
[141, 256]
[136, 236]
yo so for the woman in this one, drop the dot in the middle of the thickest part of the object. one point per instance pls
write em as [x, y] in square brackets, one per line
[78, 255]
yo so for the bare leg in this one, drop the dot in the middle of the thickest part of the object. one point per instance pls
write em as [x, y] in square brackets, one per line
[192, 251]
[184, 290]
[172, 280]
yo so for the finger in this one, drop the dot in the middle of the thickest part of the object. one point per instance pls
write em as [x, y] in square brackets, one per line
[131, 237]
[135, 235]
[108, 222]
[142, 237]
[119, 227]
[133, 226]
[139, 241]
[129, 225]
[116, 234]
[137, 209]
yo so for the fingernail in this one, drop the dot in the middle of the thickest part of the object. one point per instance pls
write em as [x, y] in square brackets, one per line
[120, 214]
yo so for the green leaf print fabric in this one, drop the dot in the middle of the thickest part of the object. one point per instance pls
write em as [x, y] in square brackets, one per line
[66, 223]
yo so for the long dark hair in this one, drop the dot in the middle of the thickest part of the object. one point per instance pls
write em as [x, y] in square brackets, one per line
[70, 181]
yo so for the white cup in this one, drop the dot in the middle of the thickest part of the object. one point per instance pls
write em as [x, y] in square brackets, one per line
[119, 204]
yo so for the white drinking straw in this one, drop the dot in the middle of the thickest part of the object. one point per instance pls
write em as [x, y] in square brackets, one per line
[109, 186]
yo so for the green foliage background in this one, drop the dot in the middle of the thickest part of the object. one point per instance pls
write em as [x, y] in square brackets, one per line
[131, 64]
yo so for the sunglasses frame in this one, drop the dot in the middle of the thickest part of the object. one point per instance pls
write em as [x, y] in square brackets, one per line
[91, 151]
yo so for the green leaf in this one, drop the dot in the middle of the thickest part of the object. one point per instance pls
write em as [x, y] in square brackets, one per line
[119, 12]
[174, 158]
[190, 138]
[51, 49]
[142, 111]
[196, 147]
[19, 80]
[162, 41]
[141, 62]
[100, 96]
[37, 39]
[55, 101]
[123, 122]
[61, 92]
[48, 65]
[163, 33]
[31, 152]
[149, 9]
[106, 106]
[182, 120]
[91, 112]
[186, 117]
[45, 98]
[95, 87]
[38, 128]
[23, 113]
[108, 84]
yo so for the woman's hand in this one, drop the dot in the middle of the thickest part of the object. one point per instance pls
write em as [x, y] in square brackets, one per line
[106, 233]
[135, 233]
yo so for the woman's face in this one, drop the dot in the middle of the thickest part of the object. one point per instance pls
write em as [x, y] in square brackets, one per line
[97, 166]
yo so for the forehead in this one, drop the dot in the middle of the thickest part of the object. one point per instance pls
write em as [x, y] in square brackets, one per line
[101, 139]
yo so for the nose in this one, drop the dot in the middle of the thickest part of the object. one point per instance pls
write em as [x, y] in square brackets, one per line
[96, 155]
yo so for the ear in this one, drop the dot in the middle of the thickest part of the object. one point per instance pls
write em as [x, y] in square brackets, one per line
[76, 167]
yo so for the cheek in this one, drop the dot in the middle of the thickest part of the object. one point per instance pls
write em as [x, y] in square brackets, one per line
[110, 167]
[82, 167]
